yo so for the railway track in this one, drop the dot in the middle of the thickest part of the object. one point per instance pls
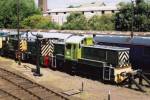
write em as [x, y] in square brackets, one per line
[18, 87]
[6, 95]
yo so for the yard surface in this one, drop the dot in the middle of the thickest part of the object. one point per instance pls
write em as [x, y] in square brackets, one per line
[61, 82]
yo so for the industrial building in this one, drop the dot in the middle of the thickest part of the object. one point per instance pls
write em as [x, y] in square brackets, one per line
[59, 15]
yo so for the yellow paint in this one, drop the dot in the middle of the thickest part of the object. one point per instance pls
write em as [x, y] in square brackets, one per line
[23, 45]
[118, 71]
[1, 42]
[89, 41]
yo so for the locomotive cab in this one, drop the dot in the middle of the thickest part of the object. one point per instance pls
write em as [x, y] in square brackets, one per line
[73, 46]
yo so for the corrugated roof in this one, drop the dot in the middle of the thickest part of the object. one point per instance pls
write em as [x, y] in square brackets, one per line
[76, 39]
[56, 35]
[83, 9]
[47, 35]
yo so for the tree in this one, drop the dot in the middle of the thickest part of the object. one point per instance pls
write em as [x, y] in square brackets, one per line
[71, 6]
[38, 22]
[76, 21]
[8, 12]
[104, 22]
[141, 18]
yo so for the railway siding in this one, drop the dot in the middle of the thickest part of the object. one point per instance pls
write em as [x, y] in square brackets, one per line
[25, 88]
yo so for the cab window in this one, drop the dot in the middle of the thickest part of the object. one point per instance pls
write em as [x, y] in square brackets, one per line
[68, 46]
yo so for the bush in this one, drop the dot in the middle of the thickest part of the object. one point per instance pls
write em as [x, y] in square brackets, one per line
[76, 21]
[8, 12]
[104, 22]
[38, 22]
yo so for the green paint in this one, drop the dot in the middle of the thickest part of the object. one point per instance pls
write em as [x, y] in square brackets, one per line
[73, 51]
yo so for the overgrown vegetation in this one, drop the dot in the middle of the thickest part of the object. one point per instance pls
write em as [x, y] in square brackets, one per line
[121, 21]
[141, 16]
[76, 21]
[8, 12]
[31, 17]
[104, 22]
[38, 22]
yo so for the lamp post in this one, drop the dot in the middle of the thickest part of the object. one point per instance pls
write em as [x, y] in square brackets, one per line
[148, 12]
[37, 71]
[18, 29]
[132, 19]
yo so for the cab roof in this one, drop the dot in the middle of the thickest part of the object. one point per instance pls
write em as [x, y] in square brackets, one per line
[77, 38]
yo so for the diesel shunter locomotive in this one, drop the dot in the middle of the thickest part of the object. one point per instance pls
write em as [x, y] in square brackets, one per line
[81, 55]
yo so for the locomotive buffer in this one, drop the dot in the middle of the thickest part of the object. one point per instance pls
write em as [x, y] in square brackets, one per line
[131, 79]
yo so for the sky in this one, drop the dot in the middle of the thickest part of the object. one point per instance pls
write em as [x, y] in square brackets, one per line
[66, 3]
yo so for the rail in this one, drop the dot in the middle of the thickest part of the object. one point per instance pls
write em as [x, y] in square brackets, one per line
[11, 76]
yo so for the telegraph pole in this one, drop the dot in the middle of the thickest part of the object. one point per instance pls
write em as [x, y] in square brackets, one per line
[38, 45]
[132, 19]
[18, 30]
[148, 11]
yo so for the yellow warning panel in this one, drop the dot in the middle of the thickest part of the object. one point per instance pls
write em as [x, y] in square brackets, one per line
[1, 42]
[23, 45]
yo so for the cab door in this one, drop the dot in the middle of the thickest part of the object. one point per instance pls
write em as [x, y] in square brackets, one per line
[71, 52]
[74, 52]
[68, 52]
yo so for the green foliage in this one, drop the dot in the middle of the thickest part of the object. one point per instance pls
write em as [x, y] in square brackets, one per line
[104, 22]
[38, 22]
[8, 11]
[141, 17]
[71, 6]
[76, 21]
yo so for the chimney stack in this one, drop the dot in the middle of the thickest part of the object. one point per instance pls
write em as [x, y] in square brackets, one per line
[42, 4]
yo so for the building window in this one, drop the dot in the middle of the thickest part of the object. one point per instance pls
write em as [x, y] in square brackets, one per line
[83, 12]
[64, 12]
[113, 11]
[56, 13]
[92, 11]
[49, 13]
[103, 12]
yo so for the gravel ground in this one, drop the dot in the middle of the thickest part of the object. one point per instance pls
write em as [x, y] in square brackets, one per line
[93, 90]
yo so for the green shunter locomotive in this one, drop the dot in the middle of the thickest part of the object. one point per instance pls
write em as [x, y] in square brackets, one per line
[80, 55]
